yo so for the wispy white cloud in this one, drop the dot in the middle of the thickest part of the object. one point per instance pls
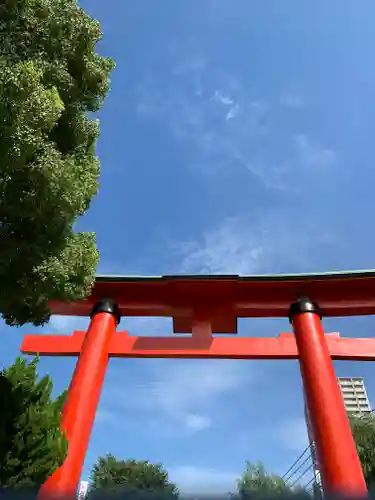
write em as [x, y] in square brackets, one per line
[231, 128]
[245, 245]
[182, 397]
[282, 433]
[142, 326]
[292, 100]
[226, 100]
[197, 422]
[201, 480]
[225, 249]
[207, 109]
[232, 108]
[228, 128]
[66, 324]
[312, 156]
[292, 433]
[105, 416]
[305, 163]
[147, 326]
[190, 387]
[189, 390]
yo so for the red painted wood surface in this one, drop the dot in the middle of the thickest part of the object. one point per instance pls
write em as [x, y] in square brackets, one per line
[340, 465]
[126, 346]
[80, 407]
[200, 305]
[227, 298]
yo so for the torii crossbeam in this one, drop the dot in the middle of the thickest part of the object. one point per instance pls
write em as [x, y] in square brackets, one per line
[122, 345]
[199, 306]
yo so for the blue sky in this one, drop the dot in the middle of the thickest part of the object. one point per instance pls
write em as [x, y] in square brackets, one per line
[238, 137]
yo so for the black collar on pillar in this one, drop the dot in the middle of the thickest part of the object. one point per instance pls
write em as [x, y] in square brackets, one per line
[303, 305]
[108, 306]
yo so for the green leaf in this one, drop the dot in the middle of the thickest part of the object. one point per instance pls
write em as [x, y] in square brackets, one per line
[127, 478]
[50, 78]
[364, 436]
[32, 445]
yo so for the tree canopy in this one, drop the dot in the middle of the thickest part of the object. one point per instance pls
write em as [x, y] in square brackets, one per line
[363, 429]
[50, 78]
[32, 445]
[133, 479]
[256, 482]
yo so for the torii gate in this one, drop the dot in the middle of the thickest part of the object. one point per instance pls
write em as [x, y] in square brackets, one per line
[201, 306]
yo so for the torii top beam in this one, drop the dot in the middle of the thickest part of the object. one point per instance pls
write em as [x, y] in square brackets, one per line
[228, 297]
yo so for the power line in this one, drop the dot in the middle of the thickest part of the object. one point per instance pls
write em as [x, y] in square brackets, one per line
[310, 488]
[298, 468]
[364, 415]
[298, 459]
[311, 481]
[301, 475]
[287, 476]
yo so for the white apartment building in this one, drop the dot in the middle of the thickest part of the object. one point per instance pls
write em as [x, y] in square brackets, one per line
[355, 397]
[82, 490]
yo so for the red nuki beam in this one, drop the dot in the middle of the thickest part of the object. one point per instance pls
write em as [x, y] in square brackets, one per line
[122, 345]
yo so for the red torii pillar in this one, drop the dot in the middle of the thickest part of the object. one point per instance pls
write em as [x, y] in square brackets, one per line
[336, 450]
[82, 401]
[341, 469]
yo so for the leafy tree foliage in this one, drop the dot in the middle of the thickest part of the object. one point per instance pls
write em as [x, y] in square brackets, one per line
[50, 78]
[32, 445]
[131, 479]
[256, 482]
[364, 435]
